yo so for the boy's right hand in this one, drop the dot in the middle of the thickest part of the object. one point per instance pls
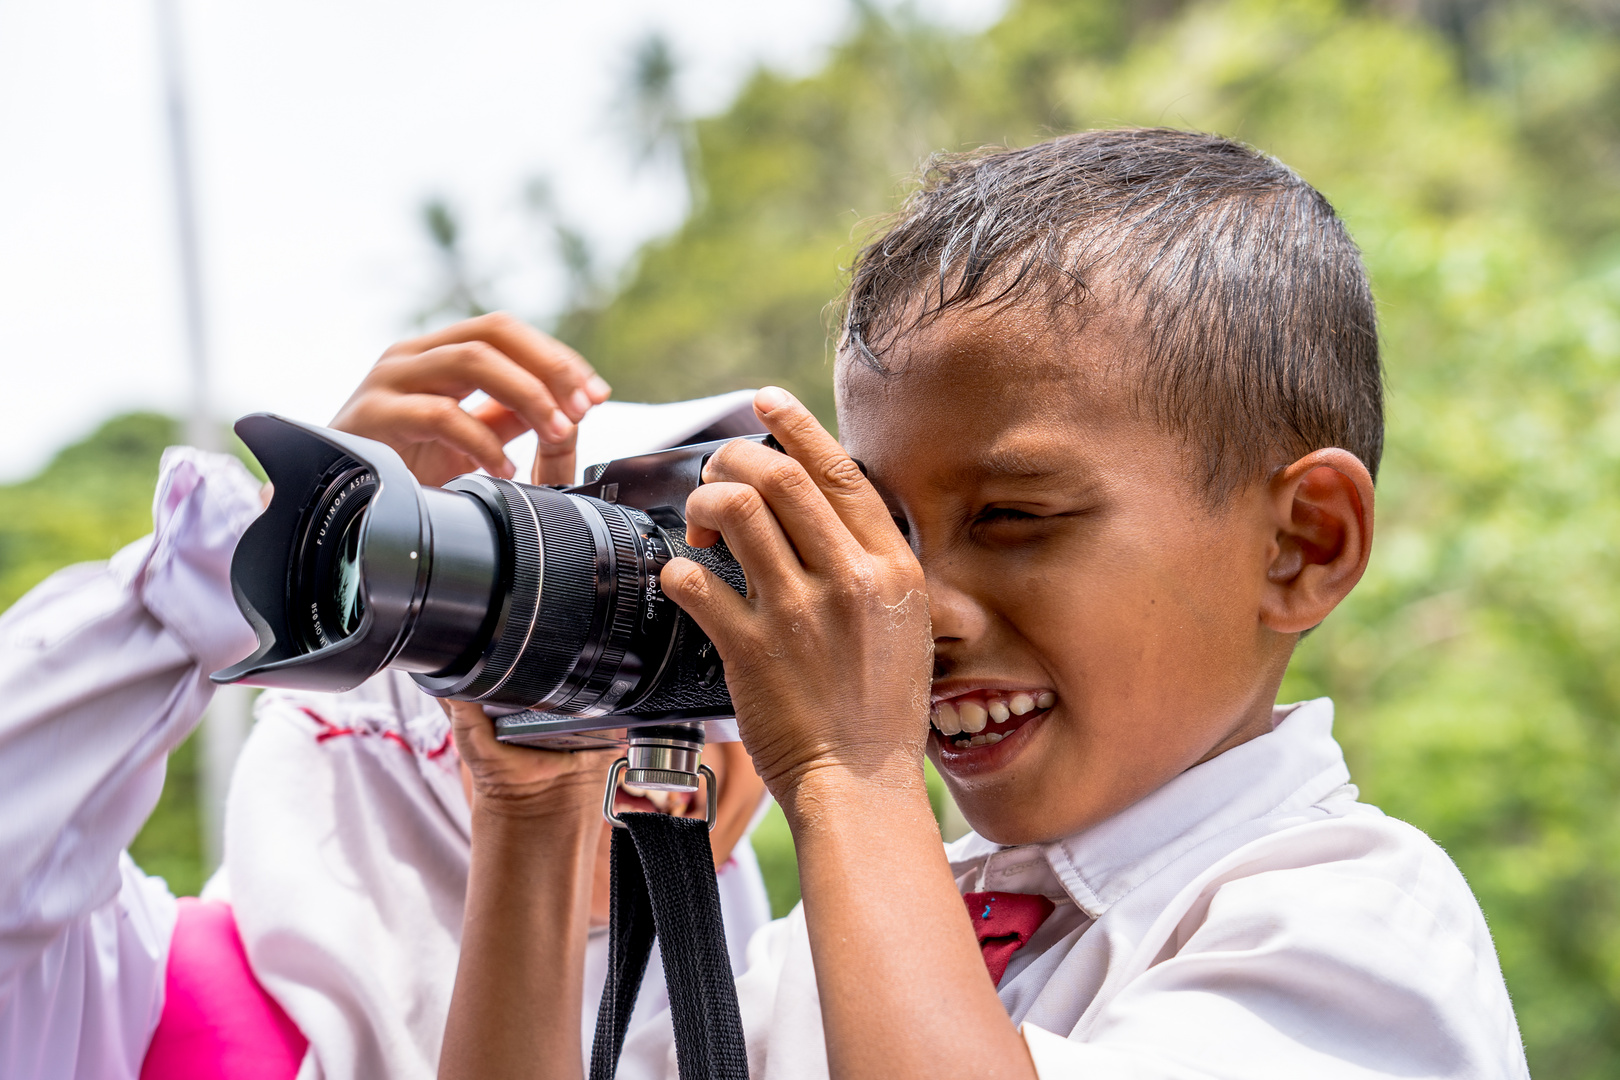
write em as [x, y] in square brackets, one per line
[411, 400]
[829, 656]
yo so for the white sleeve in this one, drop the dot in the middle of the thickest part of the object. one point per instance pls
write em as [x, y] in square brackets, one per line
[103, 671]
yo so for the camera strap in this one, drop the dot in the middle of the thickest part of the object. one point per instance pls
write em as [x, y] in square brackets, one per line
[663, 886]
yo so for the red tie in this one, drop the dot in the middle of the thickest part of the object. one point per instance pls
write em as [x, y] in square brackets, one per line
[1004, 922]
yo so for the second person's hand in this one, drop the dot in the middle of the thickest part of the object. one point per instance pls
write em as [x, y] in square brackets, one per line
[411, 400]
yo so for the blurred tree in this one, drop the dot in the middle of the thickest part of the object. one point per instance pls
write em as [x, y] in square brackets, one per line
[737, 295]
[568, 244]
[93, 498]
[459, 293]
[658, 126]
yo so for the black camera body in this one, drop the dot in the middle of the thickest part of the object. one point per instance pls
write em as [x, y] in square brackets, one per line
[542, 603]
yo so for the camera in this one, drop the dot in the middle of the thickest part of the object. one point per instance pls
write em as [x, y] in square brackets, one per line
[542, 603]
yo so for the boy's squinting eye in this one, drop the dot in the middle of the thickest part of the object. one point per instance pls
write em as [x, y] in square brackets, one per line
[1012, 524]
[992, 515]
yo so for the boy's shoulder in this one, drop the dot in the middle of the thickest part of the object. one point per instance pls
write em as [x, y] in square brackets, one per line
[1352, 868]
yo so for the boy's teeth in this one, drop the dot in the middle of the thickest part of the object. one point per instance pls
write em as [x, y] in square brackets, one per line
[969, 716]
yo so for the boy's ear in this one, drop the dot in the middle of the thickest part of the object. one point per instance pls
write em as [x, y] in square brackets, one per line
[1322, 509]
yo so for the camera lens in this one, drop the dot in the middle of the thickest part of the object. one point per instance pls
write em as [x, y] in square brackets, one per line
[534, 598]
[578, 625]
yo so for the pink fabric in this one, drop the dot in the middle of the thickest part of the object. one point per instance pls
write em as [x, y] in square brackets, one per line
[217, 1021]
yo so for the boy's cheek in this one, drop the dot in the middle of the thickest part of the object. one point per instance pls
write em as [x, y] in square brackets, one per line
[1144, 692]
[1079, 771]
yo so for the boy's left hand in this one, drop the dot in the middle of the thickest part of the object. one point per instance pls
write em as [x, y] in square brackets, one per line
[829, 658]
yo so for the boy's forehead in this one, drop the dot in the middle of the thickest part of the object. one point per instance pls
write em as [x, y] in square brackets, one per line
[990, 368]
[1010, 401]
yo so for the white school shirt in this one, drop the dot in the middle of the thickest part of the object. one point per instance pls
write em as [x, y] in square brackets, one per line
[1250, 919]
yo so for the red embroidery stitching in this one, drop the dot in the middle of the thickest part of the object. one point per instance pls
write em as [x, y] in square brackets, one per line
[330, 730]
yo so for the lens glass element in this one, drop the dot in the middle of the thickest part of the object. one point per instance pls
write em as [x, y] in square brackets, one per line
[350, 604]
[329, 595]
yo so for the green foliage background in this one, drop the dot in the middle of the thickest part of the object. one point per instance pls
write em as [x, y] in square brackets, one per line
[93, 498]
[1474, 148]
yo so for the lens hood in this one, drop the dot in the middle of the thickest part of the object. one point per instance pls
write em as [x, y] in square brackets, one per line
[315, 471]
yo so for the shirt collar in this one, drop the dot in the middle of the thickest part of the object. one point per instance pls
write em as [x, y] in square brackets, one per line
[1294, 765]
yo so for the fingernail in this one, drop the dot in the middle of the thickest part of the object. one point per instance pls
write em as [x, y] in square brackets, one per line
[560, 427]
[579, 404]
[771, 398]
[598, 387]
[508, 470]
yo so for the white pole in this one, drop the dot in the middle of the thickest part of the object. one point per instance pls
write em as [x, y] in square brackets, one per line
[224, 728]
[225, 725]
[201, 431]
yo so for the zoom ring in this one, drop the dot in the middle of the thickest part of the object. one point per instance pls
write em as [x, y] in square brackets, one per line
[547, 645]
[609, 666]
[524, 574]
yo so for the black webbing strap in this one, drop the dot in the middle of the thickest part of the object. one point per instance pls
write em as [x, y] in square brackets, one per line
[664, 886]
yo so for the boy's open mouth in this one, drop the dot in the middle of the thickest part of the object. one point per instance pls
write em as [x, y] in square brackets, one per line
[983, 717]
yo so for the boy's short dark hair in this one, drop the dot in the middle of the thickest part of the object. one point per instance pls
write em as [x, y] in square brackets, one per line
[1261, 328]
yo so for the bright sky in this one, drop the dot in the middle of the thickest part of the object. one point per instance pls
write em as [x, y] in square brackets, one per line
[320, 127]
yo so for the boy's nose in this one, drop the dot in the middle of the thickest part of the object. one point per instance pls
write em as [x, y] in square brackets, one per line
[956, 616]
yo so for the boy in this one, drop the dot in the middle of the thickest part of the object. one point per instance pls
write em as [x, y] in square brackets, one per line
[1118, 396]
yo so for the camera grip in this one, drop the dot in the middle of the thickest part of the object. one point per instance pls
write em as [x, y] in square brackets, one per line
[694, 682]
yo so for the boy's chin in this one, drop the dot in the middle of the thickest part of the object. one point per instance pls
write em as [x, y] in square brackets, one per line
[991, 783]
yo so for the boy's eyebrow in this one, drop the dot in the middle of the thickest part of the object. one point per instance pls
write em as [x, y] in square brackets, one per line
[1011, 464]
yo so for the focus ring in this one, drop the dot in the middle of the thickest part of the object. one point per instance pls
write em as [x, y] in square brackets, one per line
[595, 690]
[567, 597]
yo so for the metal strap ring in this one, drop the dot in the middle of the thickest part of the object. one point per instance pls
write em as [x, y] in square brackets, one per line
[617, 772]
